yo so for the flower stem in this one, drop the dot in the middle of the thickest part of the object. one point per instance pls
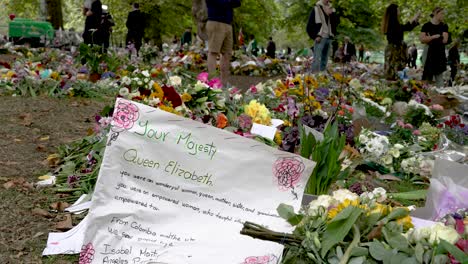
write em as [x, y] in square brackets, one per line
[354, 243]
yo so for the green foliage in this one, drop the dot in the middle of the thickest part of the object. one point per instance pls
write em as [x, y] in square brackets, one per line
[326, 154]
[417, 116]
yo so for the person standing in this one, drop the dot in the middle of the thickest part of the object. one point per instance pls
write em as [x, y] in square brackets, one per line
[271, 48]
[253, 46]
[136, 27]
[453, 61]
[413, 56]
[107, 22]
[395, 51]
[93, 11]
[186, 37]
[361, 53]
[349, 50]
[435, 34]
[321, 27]
[220, 35]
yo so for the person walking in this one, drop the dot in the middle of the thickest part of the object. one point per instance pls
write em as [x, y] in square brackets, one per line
[271, 48]
[349, 50]
[395, 51]
[136, 27]
[435, 34]
[321, 27]
[220, 35]
[92, 9]
[453, 61]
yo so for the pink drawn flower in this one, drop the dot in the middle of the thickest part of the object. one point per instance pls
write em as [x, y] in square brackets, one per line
[260, 260]
[125, 115]
[287, 172]
[87, 254]
[203, 77]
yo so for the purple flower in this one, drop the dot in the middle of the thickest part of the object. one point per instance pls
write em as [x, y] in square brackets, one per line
[321, 93]
[108, 74]
[245, 122]
[72, 180]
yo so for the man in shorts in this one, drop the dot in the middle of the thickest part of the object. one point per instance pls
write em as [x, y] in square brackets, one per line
[220, 36]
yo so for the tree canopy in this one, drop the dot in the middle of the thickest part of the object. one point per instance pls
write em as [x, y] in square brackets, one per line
[285, 20]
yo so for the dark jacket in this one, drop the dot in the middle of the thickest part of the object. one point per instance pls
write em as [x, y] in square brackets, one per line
[136, 23]
[314, 28]
[395, 33]
[94, 21]
[221, 10]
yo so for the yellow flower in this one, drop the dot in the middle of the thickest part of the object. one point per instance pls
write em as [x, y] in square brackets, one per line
[405, 222]
[278, 138]
[259, 113]
[186, 97]
[10, 74]
[379, 209]
[332, 213]
[158, 92]
[287, 123]
[316, 105]
[54, 75]
[311, 81]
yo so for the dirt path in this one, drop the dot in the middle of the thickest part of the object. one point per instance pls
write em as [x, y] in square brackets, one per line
[31, 129]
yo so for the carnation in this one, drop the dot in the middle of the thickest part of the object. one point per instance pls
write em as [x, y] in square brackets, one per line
[324, 201]
[344, 194]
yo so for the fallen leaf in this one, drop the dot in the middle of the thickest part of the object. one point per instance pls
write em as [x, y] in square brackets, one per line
[26, 119]
[41, 212]
[18, 140]
[44, 177]
[65, 224]
[8, 185]
[44, 138]
[38, 234]
[75, 104]
[41, 148]
[59, 206]
[53, 159]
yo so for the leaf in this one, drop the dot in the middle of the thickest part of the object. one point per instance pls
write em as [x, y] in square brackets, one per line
[413, 195]
[339, 228]
[395, 239]
[44, 138]
[357, 260]
[396, 214]
[378, 251]
[398, 258]
[287, 212]
[26, 119]
[65, 224]
[440, 259]
[453, 250]
[411, 260]
[41, 212]
[419, 252]
[359, 251]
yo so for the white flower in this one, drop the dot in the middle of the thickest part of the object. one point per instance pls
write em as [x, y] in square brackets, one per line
[387, 159]
[426, 167]
[380, 193]
[124, 92]
[175, 80]
[146, 80]
[135, 94]
[140, 83]
[343, 194]
[440, 231]
[237, 97]
[145, 73]
[355, 83]
[394, 152]
[259, 87]
[126, 80]
[398, 146]
[324, 201]
[367, 196]
[154, 101]
[415, 104]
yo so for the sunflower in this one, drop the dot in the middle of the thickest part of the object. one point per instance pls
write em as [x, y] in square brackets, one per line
[332, 213]
[158, 92]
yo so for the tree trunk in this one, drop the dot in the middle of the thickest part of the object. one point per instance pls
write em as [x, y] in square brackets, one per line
[153, 25]
[54, 13]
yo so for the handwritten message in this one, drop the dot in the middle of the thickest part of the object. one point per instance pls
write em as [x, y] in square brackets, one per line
[172, 190]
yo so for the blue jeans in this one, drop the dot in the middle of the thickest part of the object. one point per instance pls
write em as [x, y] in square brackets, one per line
[321, 51]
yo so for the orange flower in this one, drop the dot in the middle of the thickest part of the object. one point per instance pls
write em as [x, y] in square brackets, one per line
[221, 121]
[341, 113]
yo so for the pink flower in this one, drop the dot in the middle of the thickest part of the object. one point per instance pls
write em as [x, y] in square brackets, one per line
[400, 123]
[234, 90]
[125, 115]
[436, 107]
[416, 132]
[215, 83]
[203, 77]
[409, 126]
[253, 89]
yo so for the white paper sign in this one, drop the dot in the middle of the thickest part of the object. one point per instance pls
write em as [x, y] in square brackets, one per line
[264, 131]
[172, 190]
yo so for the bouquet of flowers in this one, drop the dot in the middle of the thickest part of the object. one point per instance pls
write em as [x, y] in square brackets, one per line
[346, 228]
